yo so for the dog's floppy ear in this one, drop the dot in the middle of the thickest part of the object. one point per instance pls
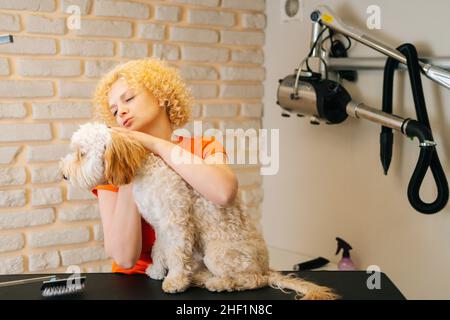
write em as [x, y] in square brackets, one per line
[123, 157]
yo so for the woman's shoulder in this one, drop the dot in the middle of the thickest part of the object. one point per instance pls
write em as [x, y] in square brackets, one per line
[108, 187]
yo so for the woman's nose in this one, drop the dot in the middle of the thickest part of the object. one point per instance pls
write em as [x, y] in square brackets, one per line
[122, 110]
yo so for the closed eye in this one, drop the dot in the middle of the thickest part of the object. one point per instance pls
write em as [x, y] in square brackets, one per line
[129, 99]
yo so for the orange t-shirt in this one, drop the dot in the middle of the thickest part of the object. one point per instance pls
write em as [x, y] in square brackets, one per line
[201, 147]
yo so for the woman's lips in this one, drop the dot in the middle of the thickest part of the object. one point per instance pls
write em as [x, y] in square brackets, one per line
[128, 122]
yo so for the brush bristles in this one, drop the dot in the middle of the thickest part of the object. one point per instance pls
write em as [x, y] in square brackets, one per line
[62, 290]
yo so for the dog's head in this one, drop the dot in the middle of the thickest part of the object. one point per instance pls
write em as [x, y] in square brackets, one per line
[101, 156]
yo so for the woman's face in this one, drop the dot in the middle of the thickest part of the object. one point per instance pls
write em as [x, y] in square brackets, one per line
[134, 110]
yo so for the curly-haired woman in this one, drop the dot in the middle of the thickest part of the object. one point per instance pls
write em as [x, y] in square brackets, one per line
[148, 100]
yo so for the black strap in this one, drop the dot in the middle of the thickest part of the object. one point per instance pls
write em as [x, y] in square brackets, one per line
[428, 155]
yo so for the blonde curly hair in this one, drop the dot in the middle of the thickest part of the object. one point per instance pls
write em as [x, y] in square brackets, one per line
[163, 82]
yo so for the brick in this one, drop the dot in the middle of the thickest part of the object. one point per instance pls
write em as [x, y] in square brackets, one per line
[79, 212]
[46, 174]
[12, 110]
[12, 198]
[189, 72]
[84, 6]
[9, 22]
[48, 68]
[46, 196]
[44, 25]
[25, 132]
[247, 178]
[98, 232]
[206, 125]
[247, 56]
[60, 236]
[193, 35]
[66, 130]
[133, 50]
[225, 19]
[29, 5]
[239, 124]
[75, 193]
[258, 5]
[30, 45]
[25, 219]
[61, 110]
[253, 21]
[121, 9]
[11, 265]
[50, 152]
[203, 91]
[25, 89]
[237, 73]
[207, 3]
[196, 110]
[4, 67]
[95, 69]
[244, 38]
[242, 91]
[76, 89]
[12, 176]
[11, 242]
[43, 260]
[220, 110]
[165, 51]
[102, 28]
[204, 54]
[88, 48]
[251, 110]
[252, 197]
[7, 154]
[82, 255]
[165, 13]
[151, 31]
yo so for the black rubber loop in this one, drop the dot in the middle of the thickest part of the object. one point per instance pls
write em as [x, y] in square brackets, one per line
[421, 129]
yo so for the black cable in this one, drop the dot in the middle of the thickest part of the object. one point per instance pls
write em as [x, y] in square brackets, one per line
[312, 48]
[421, 129]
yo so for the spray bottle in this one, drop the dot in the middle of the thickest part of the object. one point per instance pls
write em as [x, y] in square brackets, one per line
[346, 263]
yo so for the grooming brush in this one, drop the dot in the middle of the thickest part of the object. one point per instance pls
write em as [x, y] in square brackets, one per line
[59, 287]
[25, 281]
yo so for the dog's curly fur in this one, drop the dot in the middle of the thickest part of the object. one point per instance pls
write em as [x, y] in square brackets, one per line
[198, 242]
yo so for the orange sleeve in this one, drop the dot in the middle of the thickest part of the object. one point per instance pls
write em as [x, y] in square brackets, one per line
[212, 146]
[108, 187]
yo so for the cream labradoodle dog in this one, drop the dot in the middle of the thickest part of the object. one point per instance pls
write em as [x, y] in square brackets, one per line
[198, 242]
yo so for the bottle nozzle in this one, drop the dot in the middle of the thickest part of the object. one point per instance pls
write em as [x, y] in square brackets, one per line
[342, 244]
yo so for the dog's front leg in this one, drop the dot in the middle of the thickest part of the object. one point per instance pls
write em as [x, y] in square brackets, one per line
[178, 256]
[157, 270]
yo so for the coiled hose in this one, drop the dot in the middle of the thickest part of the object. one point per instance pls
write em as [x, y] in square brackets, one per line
[421, 129]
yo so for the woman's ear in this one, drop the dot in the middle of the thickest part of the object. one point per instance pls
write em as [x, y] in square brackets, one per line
[123, 157]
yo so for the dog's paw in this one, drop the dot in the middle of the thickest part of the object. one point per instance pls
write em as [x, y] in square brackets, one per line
[155, 272]
[174, 284]
[217, 284]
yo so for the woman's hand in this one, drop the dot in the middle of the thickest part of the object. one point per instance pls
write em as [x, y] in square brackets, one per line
[147, 140]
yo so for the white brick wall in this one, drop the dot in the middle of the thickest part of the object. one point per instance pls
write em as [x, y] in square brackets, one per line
[48, 76]
[28, 218]
[43, 260]
[12, 176]
[12, 110]
[61, 236]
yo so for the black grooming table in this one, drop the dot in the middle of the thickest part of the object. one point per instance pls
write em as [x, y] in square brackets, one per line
[112, 286]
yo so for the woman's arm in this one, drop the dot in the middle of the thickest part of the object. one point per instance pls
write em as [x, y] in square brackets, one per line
[121, 225]
[212, 177]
